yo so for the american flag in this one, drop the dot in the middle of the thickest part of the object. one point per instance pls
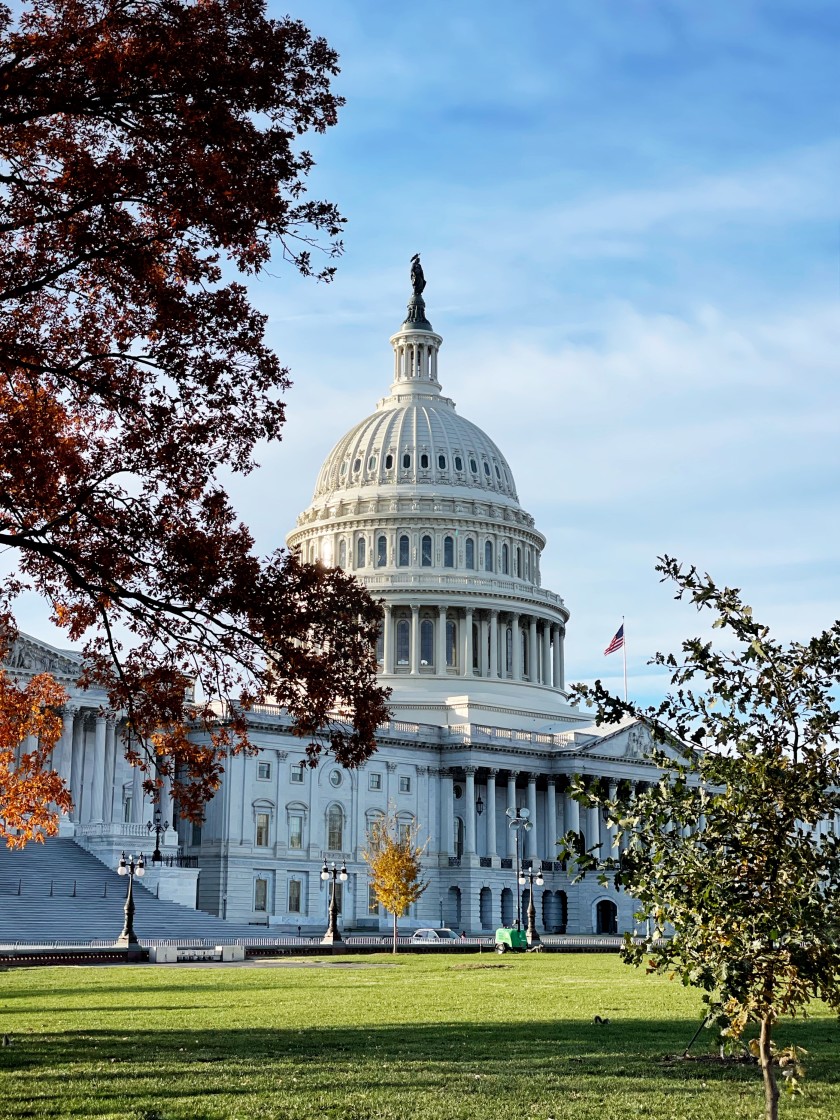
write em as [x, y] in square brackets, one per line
[617, 642]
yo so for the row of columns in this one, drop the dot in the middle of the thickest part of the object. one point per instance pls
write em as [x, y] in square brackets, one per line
[545, 644]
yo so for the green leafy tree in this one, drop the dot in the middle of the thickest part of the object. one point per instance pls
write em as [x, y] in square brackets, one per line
[734, 851]
[393, 855]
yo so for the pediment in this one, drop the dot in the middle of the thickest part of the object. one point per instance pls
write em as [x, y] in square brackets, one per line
[28, 656]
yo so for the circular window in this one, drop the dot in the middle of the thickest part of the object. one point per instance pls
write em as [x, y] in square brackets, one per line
[335, 778]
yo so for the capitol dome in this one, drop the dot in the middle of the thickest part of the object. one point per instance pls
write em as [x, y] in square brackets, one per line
[421, 505]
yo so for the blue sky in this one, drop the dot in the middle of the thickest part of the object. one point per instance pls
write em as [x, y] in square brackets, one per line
[627, 214]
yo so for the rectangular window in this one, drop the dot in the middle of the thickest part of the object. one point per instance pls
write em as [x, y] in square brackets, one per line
[264, 771]
[127, 809]
[404, 831]
[196, 836]
[261, 895]
[296, 774]
[405, 784]
[375, 781]
[296, 832]
[262, 830]
[373, 902]
[294, 896]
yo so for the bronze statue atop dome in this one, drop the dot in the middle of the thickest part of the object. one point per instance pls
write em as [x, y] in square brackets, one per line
[418, 280]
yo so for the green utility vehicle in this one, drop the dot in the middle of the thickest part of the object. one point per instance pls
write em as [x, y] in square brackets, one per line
[511, 940]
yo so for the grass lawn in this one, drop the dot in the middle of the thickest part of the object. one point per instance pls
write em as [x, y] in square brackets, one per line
[419, 1038]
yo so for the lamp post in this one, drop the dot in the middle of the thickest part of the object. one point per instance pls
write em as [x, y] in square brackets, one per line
[519, 819]
[157, 826]
[128, 938]
[530, 877]
[332, 936]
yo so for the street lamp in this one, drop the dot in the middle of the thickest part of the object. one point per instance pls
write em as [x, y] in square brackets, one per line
[530, 877]
[157, 826]
[128, 938]
[519, 819]
[332, 936]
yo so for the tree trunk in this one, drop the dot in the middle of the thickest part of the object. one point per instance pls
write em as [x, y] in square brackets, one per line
[395, 931]
[765, 1057]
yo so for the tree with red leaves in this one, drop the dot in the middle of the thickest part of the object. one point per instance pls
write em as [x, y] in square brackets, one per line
[147, 147]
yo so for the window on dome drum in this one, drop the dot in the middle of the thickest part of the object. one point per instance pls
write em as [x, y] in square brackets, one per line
[389, 462]
[473, 466]
[527, 564]
[343, 470]
[357, 465]
[261, 895]
[381, 552]
[427, 642]
[406, 461]
[296, 832]
[424, 461]
[372, 463]
[426, 552]
[505, 560]
[451, 644]
[404, 552]
[469, 553]
[475, 649]
[498, 473]
[403, 641]
[518, 562]
[342, 554]
[488, 556]
[360, 552]
[441, 462]
[335, 829]
[294, 896]
[459, 463]
[508, 650]
[526, 668]
[261, 839]
[487, 469]
[448, 552]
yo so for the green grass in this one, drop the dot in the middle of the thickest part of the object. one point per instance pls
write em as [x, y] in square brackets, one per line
[443, 1038]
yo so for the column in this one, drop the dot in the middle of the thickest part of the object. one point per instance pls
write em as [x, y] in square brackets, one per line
[490, 810]
[551, 833]
[64, 748]
[137, 777]
[531, 837]
[469, 812]
[533, 669]
[440, 668]
[613, 829]
[468, 643]
[447, 815]
[559, 668]
[593, 824]
[511, 804]
[572, 814]
[77, 759]
[494, 645]
[110, 766]
[546, 654]
[516, 651]
[415, 640]
[387, 641]
[482, 653]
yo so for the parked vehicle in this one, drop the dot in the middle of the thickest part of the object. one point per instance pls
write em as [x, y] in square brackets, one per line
[434, 935]
[511, 940]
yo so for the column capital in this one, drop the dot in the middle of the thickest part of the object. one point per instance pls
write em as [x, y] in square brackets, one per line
[492, 771]
[423, 770]
[532, 779]
[390, 767]
[514, 774]
[470, 769]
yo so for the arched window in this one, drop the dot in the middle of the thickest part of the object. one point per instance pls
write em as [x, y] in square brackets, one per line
[448, 552]
[342, 553]
[403, 641]
[505, 559]
[335, 829]
[527, 564]
[518, 562]
[451, 643]
[524, 660]
[404, 552]
[426, 552]
[459, 837]
[488, 556]
[381, 551]
[427, 642]
[360, 552]
[476, 653]
[469, 553]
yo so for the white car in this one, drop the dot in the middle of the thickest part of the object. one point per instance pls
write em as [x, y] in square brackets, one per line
[434, 935]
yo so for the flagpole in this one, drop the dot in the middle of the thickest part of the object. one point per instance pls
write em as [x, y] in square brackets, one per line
[624, 651]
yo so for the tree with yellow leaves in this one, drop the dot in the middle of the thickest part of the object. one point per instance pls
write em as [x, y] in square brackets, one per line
[393, 855]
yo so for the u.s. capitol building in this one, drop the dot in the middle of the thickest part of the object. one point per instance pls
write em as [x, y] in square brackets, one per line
[421, 506]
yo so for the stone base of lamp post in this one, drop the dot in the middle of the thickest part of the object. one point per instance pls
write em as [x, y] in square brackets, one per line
[333, 941]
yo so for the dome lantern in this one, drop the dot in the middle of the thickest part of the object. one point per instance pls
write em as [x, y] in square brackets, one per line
[416, 345]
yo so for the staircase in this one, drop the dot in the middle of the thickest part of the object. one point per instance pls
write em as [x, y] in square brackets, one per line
[57, 893]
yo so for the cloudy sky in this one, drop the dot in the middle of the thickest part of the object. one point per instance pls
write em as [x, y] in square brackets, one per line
[627, 215]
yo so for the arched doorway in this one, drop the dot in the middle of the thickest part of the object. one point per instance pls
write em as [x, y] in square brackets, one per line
[485, 908]
[507, 906]
[453, 908]
[606, 917]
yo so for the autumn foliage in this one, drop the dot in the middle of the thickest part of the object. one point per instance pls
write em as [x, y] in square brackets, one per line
[149, 151]
[393, 855]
